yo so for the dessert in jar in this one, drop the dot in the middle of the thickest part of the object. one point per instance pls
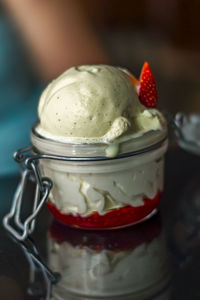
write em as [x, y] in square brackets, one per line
[109, 140]
[129, 263]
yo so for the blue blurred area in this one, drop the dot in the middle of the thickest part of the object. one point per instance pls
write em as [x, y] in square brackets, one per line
[8, 185]
[19, 93]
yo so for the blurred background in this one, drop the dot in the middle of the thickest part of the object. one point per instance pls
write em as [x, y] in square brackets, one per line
[165, 33]
[40, 39]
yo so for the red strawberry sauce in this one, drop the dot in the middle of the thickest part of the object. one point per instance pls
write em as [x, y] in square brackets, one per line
[127, 215]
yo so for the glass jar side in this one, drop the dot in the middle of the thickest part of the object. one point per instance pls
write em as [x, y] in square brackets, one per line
[106, 194]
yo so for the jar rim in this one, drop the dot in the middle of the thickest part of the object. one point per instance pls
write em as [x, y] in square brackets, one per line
[99, 151]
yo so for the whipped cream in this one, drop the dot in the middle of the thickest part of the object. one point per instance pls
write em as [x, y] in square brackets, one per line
[84, 188]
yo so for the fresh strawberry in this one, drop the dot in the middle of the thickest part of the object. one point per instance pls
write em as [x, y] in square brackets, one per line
[147, 90]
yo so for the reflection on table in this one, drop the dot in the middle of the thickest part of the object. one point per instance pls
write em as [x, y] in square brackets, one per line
[130, 263]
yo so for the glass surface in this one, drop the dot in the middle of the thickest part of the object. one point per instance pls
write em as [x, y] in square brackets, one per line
[108, 193]
[108, 264]
[171, 271]
[49, 146]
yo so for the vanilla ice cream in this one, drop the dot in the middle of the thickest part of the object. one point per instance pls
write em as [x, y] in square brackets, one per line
[94, 104]
[95, 112]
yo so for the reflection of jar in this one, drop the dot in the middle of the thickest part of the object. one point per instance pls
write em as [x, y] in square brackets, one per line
[129, 263]
[93, 189]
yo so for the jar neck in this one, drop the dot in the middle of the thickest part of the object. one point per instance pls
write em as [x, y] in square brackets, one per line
[130, 147]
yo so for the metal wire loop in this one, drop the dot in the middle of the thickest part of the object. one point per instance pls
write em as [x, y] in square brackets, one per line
[19, 155]
[13, 220]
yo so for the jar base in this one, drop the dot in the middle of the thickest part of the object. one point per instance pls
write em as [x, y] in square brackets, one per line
[116, 218]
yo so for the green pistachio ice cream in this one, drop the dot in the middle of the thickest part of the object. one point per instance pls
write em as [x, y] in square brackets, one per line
[94, 104]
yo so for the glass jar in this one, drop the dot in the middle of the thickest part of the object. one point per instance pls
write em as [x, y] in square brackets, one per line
[94, 188]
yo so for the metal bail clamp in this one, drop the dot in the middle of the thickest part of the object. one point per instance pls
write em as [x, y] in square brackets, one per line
[12, 222]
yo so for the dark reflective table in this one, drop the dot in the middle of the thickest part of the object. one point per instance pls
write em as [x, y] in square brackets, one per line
[158, 259]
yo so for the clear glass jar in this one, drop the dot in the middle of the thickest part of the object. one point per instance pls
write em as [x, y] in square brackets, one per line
[93, 190]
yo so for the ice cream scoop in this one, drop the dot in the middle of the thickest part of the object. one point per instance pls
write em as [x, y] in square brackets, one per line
[95, 104]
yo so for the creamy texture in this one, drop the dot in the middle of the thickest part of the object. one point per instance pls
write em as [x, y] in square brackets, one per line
[87, 188]
[142, 271]
[94, 104]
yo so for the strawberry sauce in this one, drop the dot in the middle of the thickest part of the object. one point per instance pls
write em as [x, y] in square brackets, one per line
[119, 217]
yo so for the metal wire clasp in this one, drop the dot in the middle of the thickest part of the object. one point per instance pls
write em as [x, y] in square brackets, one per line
[28, 163]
